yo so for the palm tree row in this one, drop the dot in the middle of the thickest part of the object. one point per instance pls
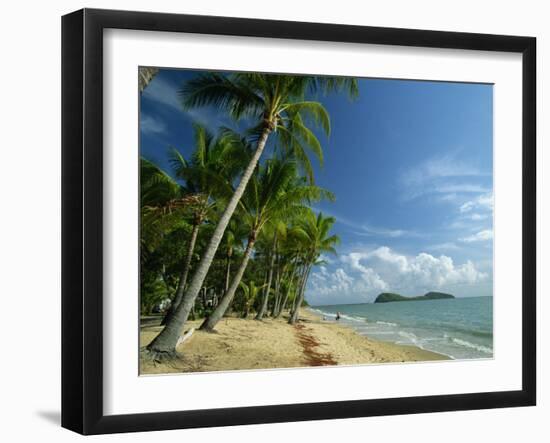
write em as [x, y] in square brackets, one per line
[274, 209]
[225, 180]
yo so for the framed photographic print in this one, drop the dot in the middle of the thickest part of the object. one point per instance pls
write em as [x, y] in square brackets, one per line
[270, 221]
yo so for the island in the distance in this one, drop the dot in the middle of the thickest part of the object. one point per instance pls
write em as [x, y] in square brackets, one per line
[386, 297]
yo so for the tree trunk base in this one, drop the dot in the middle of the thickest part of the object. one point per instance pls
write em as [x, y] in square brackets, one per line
[157, 356]
[208, 329]
[293, 321]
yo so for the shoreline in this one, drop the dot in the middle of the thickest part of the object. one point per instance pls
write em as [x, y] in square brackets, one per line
[247, 344]
[430, 355]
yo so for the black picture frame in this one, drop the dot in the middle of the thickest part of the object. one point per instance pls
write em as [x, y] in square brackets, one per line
[82, 218]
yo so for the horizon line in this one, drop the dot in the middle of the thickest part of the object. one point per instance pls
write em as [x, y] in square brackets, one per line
[372, 302]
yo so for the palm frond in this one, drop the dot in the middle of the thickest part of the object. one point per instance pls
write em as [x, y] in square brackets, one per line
[312, 109]
[329, 84]
[220, 91]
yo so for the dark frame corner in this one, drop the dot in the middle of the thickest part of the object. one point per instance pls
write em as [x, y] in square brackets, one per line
[82, 155]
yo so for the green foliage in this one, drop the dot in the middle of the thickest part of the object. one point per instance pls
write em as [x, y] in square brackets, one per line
[437, 295]
[246, 298]
[276, 103]
[275, 209]
[153, 292]
[387, 297]
[314, 233]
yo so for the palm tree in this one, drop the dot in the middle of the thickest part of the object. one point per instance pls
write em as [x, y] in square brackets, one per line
[250, 292]
[156, 186]
[276, 104]
[145, 76]
[208, 174]
[234, 234]
[286, 257]
[287, 286]
[290, 254]
[164, 206]
[157, 191]
[277, 228]
[274, 191]
[316, 239]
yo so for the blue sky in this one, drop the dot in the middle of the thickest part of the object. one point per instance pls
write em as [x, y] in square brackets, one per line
[410, 163]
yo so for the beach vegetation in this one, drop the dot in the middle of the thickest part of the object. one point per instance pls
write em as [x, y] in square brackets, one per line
[228, 175]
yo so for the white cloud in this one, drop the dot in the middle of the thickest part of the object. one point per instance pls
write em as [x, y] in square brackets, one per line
[474, 215]
[368, 230]
[444, 175]
[336, 285]
[163, 92]
[429, 271]
[478, 217]
[485, 235]
[447, 246]
[438, 167]
[151, 125]
[166, 93]
[460, 188]
[452, 197]
[423, 269]
[367, 273]
[483, 202]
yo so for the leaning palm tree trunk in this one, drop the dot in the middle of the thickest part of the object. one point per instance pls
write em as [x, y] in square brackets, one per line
[183, 276]
[264, 297]
[165, 343]
[283, 304]
[164, 279]
[227, 273]
[277, 291]
[263, 308]
[225, 302]
[295, 314]
[299, 281]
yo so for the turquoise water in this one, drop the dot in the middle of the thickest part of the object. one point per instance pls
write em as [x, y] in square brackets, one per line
[461, 328]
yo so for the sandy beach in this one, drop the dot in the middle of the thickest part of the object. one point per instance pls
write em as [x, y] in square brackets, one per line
[242, 344]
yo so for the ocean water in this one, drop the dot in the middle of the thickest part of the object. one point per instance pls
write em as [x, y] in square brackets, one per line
[461, 328]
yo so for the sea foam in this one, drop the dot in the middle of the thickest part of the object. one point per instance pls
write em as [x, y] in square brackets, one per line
[386, 323]
[467, 344]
